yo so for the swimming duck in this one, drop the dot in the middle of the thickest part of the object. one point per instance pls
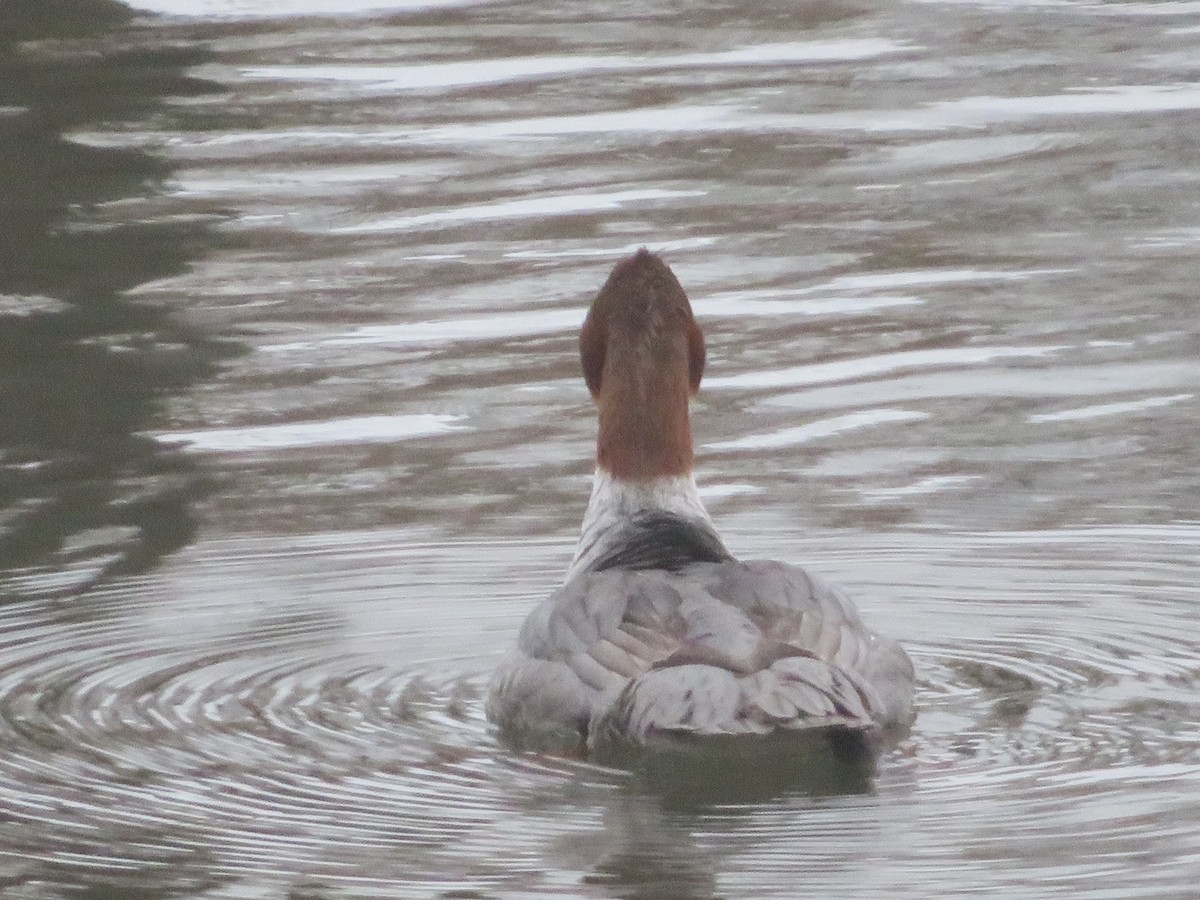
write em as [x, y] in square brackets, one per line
[659, 636]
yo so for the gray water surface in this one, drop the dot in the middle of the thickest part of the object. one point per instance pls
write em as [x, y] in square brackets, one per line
[292, 432]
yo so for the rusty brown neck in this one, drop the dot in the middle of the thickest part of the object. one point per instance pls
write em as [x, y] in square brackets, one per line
[643, 355]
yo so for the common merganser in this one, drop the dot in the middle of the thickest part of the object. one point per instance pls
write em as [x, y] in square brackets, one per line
[658, 635]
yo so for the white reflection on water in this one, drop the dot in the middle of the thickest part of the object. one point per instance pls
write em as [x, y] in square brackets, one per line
[444, 75]
[556, 205]
[877, 365]
[563, 320]
[252, 9]
[923, 486]
[732, 117]
[993, 381]
[359, 429]
[1109, 409]
[800, 434]
[518, 324]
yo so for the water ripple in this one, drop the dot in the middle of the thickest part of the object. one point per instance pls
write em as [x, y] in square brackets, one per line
[303, 745]
[464, 74]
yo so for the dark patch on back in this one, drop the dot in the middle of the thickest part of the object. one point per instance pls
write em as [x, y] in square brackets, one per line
[660, 540]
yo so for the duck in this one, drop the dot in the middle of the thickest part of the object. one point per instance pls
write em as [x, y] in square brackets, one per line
[658, 636]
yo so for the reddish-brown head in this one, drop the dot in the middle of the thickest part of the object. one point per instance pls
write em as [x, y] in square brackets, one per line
[643, 355]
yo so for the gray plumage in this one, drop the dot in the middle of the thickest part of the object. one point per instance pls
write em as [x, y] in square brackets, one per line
[652, 657]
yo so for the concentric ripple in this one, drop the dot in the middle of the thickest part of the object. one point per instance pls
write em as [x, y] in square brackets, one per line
[308, 715]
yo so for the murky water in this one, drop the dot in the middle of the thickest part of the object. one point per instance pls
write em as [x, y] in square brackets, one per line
[292, 433]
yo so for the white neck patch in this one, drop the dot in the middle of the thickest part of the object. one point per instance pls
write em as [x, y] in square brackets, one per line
[614, 502]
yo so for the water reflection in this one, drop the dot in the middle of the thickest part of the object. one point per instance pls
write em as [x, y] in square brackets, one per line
[83, 367]
[643, 853]
[692, 781]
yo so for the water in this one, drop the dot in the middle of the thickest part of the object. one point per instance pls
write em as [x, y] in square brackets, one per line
[292, 432]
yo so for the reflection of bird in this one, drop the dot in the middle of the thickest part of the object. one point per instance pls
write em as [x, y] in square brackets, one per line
[659, 635]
